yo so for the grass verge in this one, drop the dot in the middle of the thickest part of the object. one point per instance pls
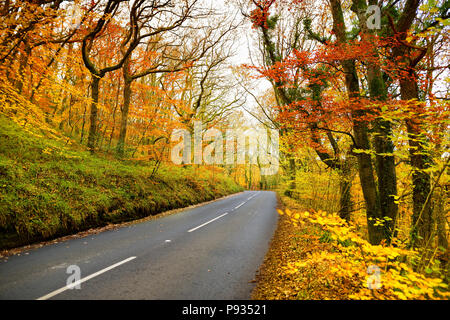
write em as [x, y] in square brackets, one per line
[51, 188]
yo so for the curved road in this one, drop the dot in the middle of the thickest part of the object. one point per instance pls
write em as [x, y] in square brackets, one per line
[208, 252]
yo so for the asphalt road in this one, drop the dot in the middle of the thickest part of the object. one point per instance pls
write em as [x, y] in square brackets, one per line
[207, 252]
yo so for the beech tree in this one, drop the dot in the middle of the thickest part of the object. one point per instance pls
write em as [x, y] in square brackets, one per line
[298, 87]
[173, 50]
[141, 15]
[361, 57]
[409, 55]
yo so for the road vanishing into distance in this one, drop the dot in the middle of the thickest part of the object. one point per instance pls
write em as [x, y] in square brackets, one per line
[207, 252]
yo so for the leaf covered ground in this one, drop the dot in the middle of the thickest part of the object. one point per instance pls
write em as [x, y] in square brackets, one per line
[318, 256]
[290, 245]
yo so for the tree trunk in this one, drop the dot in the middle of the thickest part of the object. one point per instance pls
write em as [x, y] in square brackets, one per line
[421, 220]
[387, 178]
[250, 180]
[95, 83]
[360, 130]
[84, 119]
[440, 218]
[292, 174]
[365, 167]
[124, 119]
[23, 61]
[367, 180]
[385, 161]
[345, 185]
[114, 116]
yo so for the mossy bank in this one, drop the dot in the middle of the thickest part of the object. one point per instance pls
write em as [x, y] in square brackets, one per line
[49, 188]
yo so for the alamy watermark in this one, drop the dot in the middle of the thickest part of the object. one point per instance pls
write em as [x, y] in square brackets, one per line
[73, 281]
[261, 149]
[373, 14]
[374, 278]
[74, 15]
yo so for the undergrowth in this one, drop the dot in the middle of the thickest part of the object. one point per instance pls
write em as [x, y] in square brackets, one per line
[318, 255]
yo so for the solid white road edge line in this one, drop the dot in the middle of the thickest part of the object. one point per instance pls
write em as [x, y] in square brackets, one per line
[54, 293]
[204, 224]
